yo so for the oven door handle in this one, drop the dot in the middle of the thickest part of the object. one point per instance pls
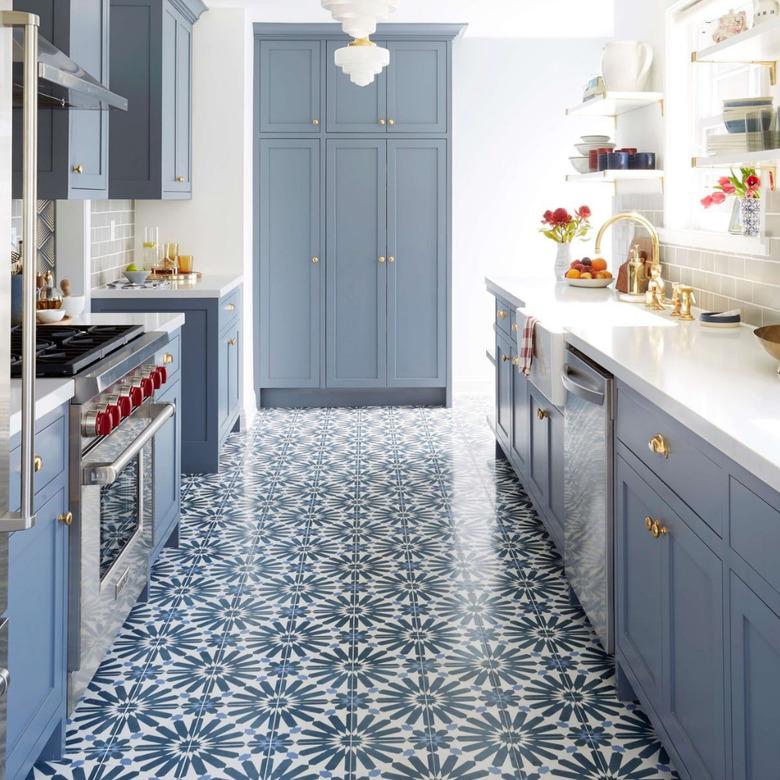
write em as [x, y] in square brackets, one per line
[107, 473]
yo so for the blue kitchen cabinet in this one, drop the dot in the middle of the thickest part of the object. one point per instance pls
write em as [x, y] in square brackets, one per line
[38, 607]
[72, 144]
[166, 455]
[289, 84]
[408, 97]
[356, 307]
[211, 397]
[416, 263]
[151, 65]
[503, 389]
[519, 429]
[291, 262]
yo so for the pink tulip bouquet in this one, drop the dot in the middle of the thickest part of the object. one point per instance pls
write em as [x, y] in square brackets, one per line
[744, 185]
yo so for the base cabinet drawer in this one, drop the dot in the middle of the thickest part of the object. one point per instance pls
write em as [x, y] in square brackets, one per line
[669, 621]
[755, 685]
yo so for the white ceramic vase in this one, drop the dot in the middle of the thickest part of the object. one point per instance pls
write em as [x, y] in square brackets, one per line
[626, 65]
[562, 260]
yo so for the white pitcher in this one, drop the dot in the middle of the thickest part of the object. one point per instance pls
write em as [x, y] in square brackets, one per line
[626, 65]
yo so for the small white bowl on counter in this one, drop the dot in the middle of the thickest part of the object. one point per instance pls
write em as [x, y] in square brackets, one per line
[47, 316]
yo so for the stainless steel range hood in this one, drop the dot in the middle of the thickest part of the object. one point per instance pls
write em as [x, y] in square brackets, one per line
[62, 82]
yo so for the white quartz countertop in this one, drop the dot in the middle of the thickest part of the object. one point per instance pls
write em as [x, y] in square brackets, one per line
[208, 286]
[719, 383]
[51, 393]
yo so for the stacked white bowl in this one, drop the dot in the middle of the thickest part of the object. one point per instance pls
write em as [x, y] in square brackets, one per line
[588, 143]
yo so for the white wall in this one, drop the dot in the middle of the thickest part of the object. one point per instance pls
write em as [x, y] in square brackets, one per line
[511, 143]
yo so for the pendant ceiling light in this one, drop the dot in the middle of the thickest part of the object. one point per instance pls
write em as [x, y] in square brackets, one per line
[362, 61]
[359, 18]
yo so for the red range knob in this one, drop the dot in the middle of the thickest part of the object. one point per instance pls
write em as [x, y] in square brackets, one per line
[162, 372]
[156, 379]
[147, 387]
[103, 424]
[125, 405]
[115, 413]
[136, 396]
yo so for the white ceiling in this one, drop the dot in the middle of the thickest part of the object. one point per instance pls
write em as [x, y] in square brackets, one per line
[486, 18]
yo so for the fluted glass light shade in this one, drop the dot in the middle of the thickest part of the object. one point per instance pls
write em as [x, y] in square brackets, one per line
[359, 18]
[362, 61]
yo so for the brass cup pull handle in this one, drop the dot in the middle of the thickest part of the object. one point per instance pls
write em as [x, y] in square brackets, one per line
[542, 414]
[659, 446]
[382, 259]
[315, 122]
[655, 528]
[315, 260]
[501, 314]
[180, 179]
[66, 519]
[382, 122]
[232, 342]
[37, 463]
[78, 168]
[167, 359]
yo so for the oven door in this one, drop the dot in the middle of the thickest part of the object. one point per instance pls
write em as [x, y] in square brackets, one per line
[114, 539]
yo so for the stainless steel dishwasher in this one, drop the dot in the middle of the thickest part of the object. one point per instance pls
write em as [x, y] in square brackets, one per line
[588, 491]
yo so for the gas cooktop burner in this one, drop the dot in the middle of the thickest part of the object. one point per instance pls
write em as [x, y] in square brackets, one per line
[65, 350]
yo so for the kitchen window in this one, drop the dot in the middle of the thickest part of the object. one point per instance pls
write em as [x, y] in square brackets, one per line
[694, 95]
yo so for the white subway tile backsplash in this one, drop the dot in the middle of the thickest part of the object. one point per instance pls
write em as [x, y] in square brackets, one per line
[113, 239]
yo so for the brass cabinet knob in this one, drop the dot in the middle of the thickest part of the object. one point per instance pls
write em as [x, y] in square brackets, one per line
[655, 528]
[501, 314]
[37, 463]
[660, 446]
[230, 307]
[78, 168]
[382, 122]
[315, 122]
[542, 414]
[180, 179]
[505, 358]
[66, 519]
[315, 260]
[391, 122]
[167, 359]
[232, 342]
[515, 361]
[515, 327]
[391, 259]
[382, 259]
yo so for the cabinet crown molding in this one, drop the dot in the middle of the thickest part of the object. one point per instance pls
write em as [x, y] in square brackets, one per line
[191, 10]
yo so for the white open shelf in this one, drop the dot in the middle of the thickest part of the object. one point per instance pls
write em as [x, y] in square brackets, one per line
[768, 157]
[615, 176]
[759, 44]
[612, 104]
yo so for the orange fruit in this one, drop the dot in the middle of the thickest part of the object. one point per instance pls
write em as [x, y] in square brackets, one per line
[573, 273]
[599, 264]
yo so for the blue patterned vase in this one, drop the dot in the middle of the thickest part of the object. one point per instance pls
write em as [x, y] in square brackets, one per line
[751, 217]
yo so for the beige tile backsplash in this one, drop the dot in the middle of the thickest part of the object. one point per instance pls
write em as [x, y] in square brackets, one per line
[112, 253]
[720, 280]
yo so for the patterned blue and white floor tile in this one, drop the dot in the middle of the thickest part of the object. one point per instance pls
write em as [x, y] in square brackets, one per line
[360, 593]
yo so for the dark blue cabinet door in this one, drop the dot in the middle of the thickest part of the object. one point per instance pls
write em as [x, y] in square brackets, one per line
[641, 585]
[694, 709]
[234, 371]
[289, 202]
[176, 102]
[89, 129]
[417, 87]
[416, 263]
[520, 418]
[755, 685]
[357, 269]
[37, 610]
[538, 447]
[289, 86]
[353, 109]
[166, 453]
[503, 389]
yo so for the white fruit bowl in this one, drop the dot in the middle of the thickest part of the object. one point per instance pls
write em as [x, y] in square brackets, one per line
[588, 282]
[47, 316]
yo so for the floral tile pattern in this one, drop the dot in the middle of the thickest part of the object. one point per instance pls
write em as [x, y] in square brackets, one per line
[360, 593]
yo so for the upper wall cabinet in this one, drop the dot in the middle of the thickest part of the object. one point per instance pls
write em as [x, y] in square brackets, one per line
[290, 88]
[409, 96]
[72, 143]
[151, 65]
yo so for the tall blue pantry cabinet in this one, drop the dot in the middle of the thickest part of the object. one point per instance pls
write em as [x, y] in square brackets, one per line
[353, 219]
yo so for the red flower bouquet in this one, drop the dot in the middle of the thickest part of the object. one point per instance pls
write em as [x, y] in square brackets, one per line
[562, 227]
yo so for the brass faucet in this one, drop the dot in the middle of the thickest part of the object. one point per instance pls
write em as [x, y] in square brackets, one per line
[655, 265]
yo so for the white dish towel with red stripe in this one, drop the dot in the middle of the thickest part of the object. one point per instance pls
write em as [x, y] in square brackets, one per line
[526, 354]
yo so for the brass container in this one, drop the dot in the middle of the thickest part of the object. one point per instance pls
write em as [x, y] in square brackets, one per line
[769, 336]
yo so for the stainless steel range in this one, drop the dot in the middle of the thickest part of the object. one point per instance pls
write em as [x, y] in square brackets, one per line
[113, 420]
